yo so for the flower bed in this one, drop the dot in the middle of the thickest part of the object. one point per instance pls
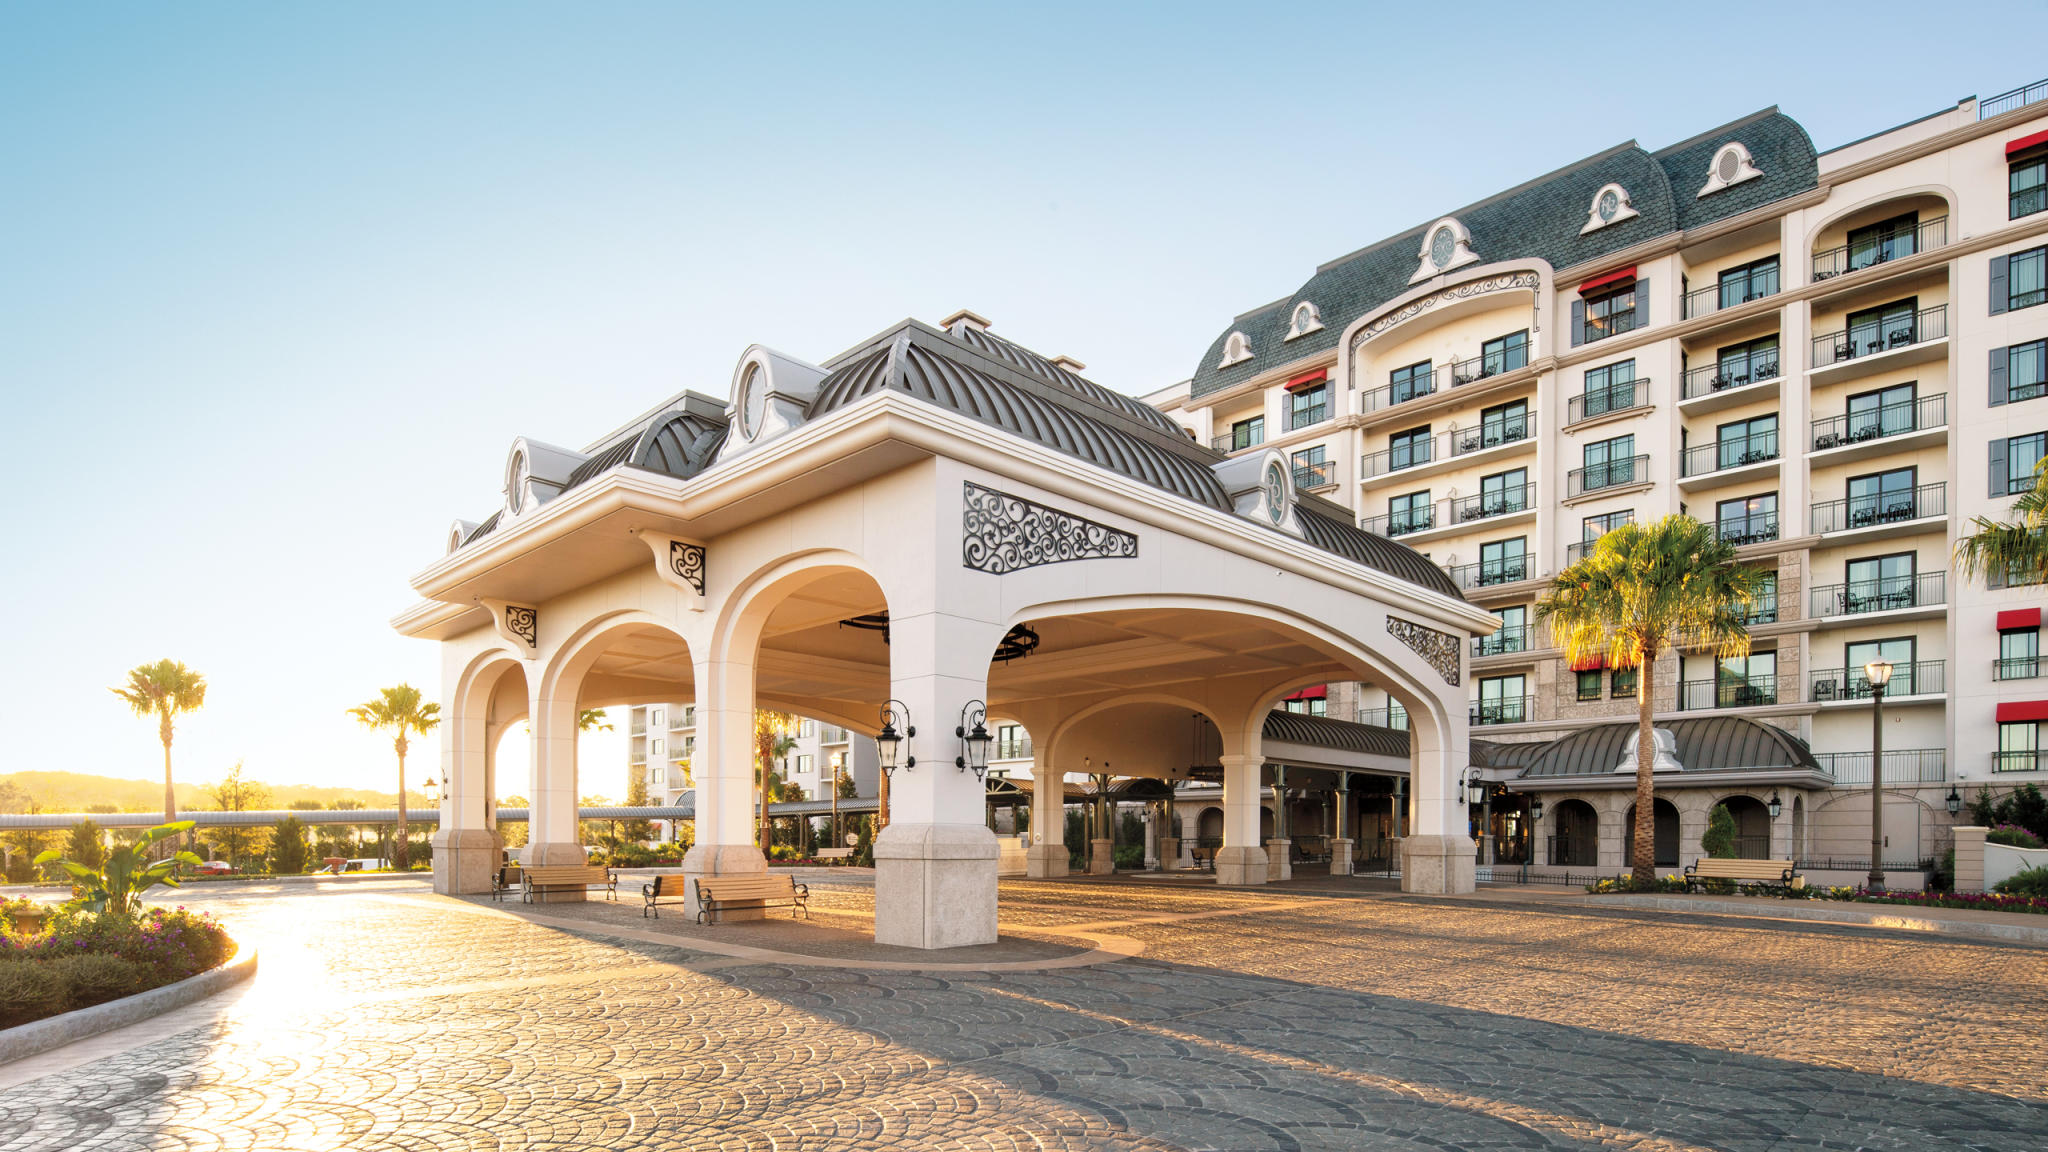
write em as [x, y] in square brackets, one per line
[1983, 901]
[83, 958]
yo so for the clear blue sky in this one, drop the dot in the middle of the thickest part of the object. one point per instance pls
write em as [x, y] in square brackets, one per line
[279, 283]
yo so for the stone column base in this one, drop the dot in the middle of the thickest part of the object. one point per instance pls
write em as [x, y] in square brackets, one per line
[465, 859]
[556, 855]
[1012, 860]
[1279, 859]
[1044, 861]
[1169, 853]
[1242, 864]
[1101, 857]
[1437, 864]
[935, 885]
[710, 861]
[1340, 857]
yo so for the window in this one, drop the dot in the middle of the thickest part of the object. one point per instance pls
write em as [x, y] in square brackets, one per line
[2019, 654]
[805, 764]
[1589, 686]
[1504, 492]
[1407, 383]
[1765, 610]
[1884, 412]
[1876, 329]
[1317, 707]
[1611, 388]
[1306, 320]
[2029, 186]
[1748, 520]
[2024, 278]
[1610, 462]
[1880, 582]
[1746, 442]
[1749, 282]
[655, 746]
[2019, 746]
[1504, 354]
[1309, 405]
[1513, 634]
[654, 717]
[1503, 700]
[807, 729]
[1621, 683]
[1594, 527]
[1611, 313]
[689, 747]
[1898, 652]
[1407, 449]
[2022, 454]
[689, 716]
[1881, 497]
[1504, 561]
[2019, 372]
[1504, 424]
[1409, 513]
[1246, 433]
[1746, 681]
[1312, 468]
[1745, 363]
[1882, 241]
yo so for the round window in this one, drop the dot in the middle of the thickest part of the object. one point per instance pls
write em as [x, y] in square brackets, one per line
[1441, 246]
[1276, 491]
[1609, 205]
[753, 401]
[1727, 165]
[515, 482]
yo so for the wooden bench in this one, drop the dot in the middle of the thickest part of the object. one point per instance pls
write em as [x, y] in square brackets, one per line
[566, 876]
[834, 854]
[728, 893]
[1778, 873]
[1204, 862]
[505, 879]
[666, 888]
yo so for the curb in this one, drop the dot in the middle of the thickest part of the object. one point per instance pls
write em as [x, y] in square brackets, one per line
[39, 1036]
[1903, 919]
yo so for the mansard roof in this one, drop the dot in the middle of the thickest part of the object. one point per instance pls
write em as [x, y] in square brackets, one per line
[1708, 744]
[1540, 220]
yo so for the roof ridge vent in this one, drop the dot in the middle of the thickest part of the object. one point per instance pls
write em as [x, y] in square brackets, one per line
[967, 320]
[1069, 363]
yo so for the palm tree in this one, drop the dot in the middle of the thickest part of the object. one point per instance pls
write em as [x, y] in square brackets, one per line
[401, 710]
[772, 742]
[2016, 552]
[592, 720]
[165, 689]
[1642, 589]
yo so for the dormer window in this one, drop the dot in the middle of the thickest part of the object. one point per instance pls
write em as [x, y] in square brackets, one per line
[1306, 320]
[1237, 348]
[515, 483]
[1610, 206]
[1731, 166]
[1445, 245]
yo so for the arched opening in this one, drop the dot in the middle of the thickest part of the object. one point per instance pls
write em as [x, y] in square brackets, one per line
[1576, 843]
[1664, 845]
[1752, 827]
[1209, 829]
[1799, 827]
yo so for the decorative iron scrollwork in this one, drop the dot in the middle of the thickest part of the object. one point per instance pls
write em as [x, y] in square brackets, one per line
[1464, 291]
[1003, 533]
[1439, 649]
[523, 623]
[687, 562]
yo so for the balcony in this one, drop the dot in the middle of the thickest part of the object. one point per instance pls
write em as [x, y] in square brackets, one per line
[2032, 760]
[1488, 574]
[1401, 523]
[1487, 505]
[1510, 639]
[1319, 474]
[1881, 510]
[1719, 297]
[1445, 377]
[1847, 351]
[1714, 386]
[1729, 459]
[636, 728]
[2016, 99]
[1764, 611]
[1755, 528]
[833, 734]
[1833, 262]
[1901, 766]
[1392, 716]
[1613, 324]
[1891, 594]
[1897, 427]
[1706, 695]
[1451, 447]
[1505, 710]
[2016, 668]
[1844, 686]
[1613, 474]
[1234, 441]
[1294, 420]
[1413, 454]
[1017, 749]
[1596, 403]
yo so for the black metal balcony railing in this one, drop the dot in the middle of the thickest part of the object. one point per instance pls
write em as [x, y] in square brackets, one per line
[1895, 419]
[1701, 695]
[1755, 528]
[1594, 403]
[1234, 441]
[1884, 336]
[1504, 710]
[1612, 474]
[1924, 678]
[2016, 668]
[1315, 475]
[1401, 523]
[2028, 760]
[1901, 766]
[1504, 502]
[1714, 297]
[1876, 508]
[1409, 454]
[1848, 258]
[1451, 443]
[2007, 101]
[1612, 324]
[1018, 749]
[1764, 611]
[1882, 595]
[1488, 573]
[2026, 202]
[1392, 716]
[1483, 366]
[1755, 448]
[1710, 378]
[1461, 442]
[1510, 638]
[1303, 417]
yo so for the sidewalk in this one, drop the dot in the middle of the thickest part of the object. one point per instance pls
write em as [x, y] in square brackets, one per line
[2009, 927]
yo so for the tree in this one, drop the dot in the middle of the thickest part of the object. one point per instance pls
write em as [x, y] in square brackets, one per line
[772, 742]
[1719, 840]
[401, 710]
[85, 845]
[235, 793]
[165, 690]
[592, 720]
[289, 852]
[2015, 552]
[1645, 588]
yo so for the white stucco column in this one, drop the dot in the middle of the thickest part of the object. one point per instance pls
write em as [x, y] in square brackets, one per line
[1437, 856]
[1241, 860]
[723, 774]
[1151, 838]
[552, 835]
[935, 864]
[1047, 854]
[1190, 836]
[465, 846]
[1340, 838]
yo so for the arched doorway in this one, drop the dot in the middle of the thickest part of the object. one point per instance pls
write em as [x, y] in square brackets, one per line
[1752, 827]
[1799, 827]
[1209, 829]
[1664, 844]
[1576, 843]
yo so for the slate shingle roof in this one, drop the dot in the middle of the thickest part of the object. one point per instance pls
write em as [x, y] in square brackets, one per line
[1709, 744]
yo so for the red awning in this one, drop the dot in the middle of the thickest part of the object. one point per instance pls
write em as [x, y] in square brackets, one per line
[1590, 664]
[2021, 711]
[1307, 378]
[2025, 143]
[1319, 692]
[2019, 618]
[1628, 273]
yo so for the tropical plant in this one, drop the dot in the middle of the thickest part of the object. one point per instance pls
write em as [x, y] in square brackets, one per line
[772, 742]
[165, 690]
[84, 845]
[2015, 551]
[402, 710]
[1719, 840]
[1643, 589]
[116, 887]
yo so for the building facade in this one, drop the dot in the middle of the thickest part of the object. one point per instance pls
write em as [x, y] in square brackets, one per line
[1837, 358]
[662, 742]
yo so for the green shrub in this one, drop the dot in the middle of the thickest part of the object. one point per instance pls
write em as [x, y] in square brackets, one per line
[30, 990]
[632, 856]
[2012, 837]
[1719, 841]
[290, 853]
[95, 977]
[2031, 882]
[1130, 856]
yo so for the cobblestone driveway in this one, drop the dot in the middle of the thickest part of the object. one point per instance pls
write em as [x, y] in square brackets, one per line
[386, 1018]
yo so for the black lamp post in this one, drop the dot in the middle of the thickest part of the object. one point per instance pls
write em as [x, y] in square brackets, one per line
[1535, 809]
[974, 738]
[888, 742]
[1776, 806]
[1954, 803]
[1879, 673]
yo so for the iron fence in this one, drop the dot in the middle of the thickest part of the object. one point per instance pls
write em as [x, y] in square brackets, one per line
[1721, 455]
[1486, 505]
[1881, 336]
[1839, 261]
[1921, 678]
[1624, 396]
[1901, 766]
[1704, 695]
[1882, 595]
[1735, 372]
[1874, 509]
[2005, 102]
[2016, 668]
[1895, 419]
[1612, 474]
[1755, 528]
